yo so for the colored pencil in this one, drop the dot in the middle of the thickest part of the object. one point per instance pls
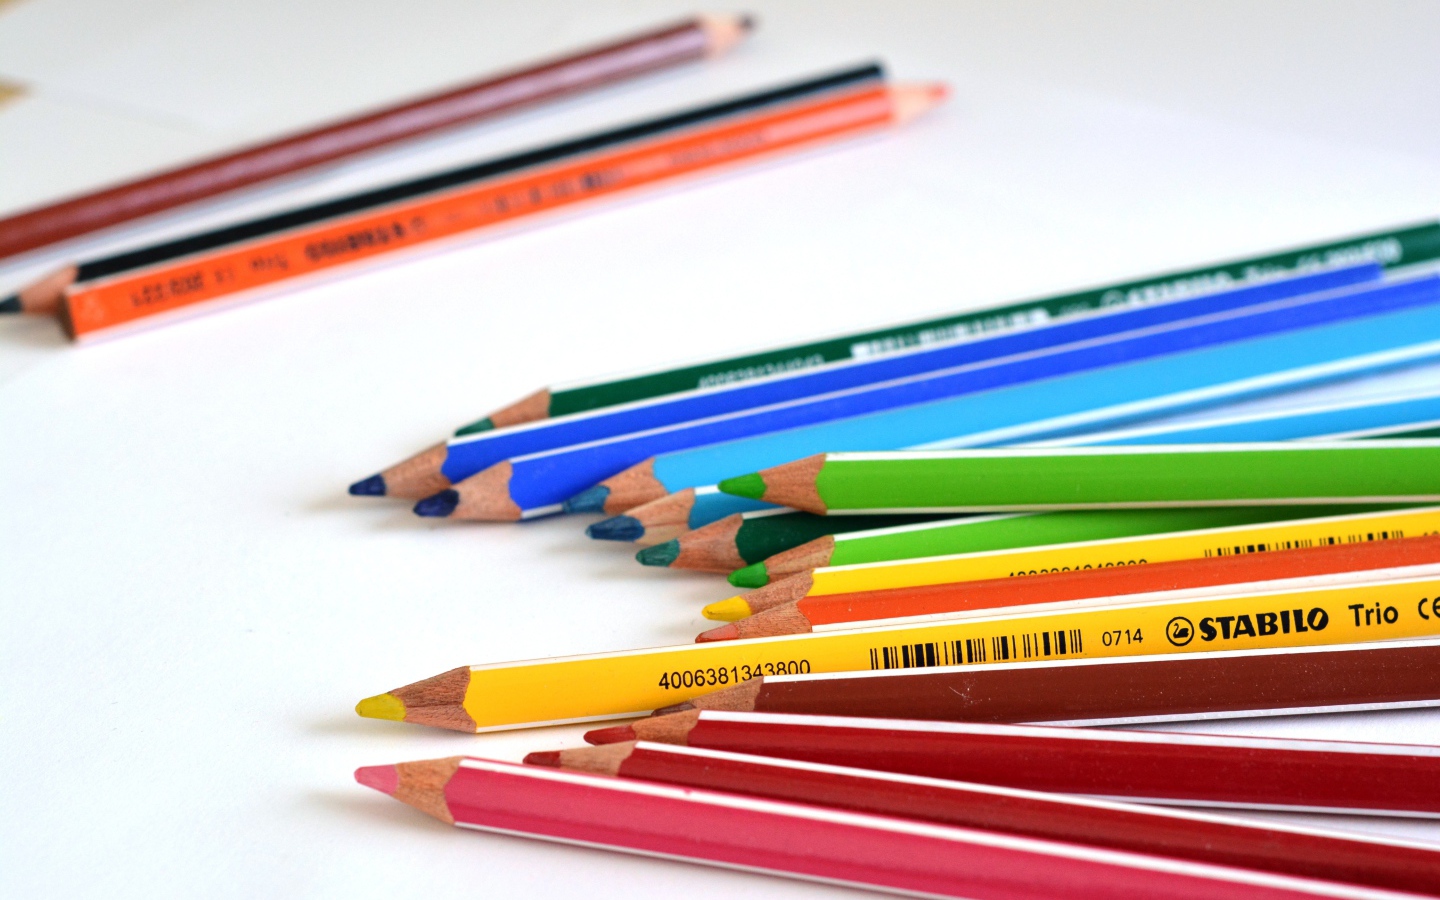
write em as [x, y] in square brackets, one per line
[270, 253]
[1250, 570]
[1131, 827]
[1398, 248]
[1330, 777]
[980, 534]
[1129, 477]
[686, 510]
[1322, 531]
[442, 466]
[809, 842]
[580, 688]
[1409, 416]
[1117, 691]
[583, 70]
[1260, 349]
[736, 540]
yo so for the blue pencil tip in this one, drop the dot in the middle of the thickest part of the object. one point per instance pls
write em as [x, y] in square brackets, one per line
[617, 528]
[374, 486]
[440, 505]
[591, 500]
[11, 304]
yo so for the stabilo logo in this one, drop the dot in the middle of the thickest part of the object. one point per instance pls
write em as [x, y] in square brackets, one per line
[1263, 624]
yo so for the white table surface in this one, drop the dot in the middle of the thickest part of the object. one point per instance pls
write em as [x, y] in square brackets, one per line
[192, 605]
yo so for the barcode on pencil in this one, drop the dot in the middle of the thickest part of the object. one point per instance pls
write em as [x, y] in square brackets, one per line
[999, 648]
[1333, 540]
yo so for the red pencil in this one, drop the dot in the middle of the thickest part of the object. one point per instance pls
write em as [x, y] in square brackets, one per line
[1214, 770]
[581, 71]
[1131, 827]
[808, 842]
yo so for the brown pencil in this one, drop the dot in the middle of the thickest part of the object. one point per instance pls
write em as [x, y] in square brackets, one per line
[1227, 684]
[585, 70]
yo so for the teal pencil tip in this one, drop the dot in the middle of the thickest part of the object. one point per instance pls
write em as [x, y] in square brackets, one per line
[752, 576]
[660, 554]
[617, 528]
[11, 304]
[752, 486]
[591, 500]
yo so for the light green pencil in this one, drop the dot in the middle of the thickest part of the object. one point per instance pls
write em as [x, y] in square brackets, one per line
[1400, 471]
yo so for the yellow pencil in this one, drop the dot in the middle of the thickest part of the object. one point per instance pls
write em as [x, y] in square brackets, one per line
[1127, 551]
[609, 685]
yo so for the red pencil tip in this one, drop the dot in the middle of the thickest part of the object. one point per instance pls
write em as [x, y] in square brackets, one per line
[726, 632]
[612, 735]
[549, 758]
[384, 779]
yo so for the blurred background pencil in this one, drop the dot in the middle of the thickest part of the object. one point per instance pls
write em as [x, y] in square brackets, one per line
[588, 69]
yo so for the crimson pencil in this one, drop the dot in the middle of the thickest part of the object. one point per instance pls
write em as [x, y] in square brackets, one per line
[809, 842]
[584, 70]
[1199, 837]
[1343, 777]
[1109, 691]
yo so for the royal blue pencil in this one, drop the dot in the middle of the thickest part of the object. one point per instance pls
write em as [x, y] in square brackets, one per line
[1084, 386]
[462, 457]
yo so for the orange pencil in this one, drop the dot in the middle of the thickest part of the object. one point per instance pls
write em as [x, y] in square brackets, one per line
[806, 614]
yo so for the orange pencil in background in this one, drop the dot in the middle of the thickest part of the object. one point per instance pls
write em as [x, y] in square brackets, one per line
[366, 228]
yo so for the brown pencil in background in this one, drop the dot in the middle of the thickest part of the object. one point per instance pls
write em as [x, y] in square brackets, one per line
[693, 39]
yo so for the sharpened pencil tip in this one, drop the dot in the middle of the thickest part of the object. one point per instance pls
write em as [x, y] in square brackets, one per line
[439, 505]
[11, 304]
[385, 779]
[476, 427]
[728, 610]
[382, 706]
[752, 576]
[617, 528]
[591, 500]
[660, 554]
[614, 734]
[752, 486]
[549, 758]
[726, 632]
[374, 486]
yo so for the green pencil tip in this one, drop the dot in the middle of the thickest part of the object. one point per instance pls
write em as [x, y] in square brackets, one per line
[752, 486]
[476, 427]
[752, 576]
[660, 554]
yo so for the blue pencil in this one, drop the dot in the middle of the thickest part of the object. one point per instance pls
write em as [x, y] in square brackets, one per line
[1410, 416]
[1100, 384]
[462, 457]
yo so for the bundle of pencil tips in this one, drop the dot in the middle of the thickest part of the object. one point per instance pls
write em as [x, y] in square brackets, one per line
[955, 549]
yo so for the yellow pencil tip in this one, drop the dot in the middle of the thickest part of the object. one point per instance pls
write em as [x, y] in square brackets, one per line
[727, 610]
[382, 706]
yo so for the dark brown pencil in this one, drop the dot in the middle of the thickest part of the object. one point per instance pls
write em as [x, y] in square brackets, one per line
[588, 69]
[1291, 681]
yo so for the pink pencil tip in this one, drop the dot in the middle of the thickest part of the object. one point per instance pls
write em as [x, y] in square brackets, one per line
[726, 632]
[384, 779]
[549, 758]
[612, 735]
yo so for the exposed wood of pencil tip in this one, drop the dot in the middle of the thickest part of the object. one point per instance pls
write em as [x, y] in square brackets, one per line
[438, 701]
[724, 30]
[44, 297]
[814, 554]
[793, 484]
[531, 408]
[912, 100]
[485, 496]
[422, 785]
[736, 698]
[711, 548]
[633, 487]
[602, 759]
[419, 476]
[786, 619]
[665, 519]
[779, 593]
